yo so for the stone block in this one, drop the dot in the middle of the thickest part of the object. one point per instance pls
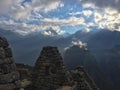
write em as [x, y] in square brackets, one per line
[8, 52]
[2, 53]
[9, 78]
[3, 42]
[7, 86]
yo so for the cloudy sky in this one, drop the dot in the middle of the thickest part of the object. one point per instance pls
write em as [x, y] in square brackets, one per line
[62, 16]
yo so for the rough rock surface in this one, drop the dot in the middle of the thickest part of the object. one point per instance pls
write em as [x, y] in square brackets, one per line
[9, 77]
[83, 80]
[49, 73]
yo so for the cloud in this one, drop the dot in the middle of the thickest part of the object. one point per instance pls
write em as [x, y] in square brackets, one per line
[109, 18]
[33, 16]
[86, 13]
[25, 29]
[16, 15]
[46, 5]
[7, 5]
[87, 30]
[76, 42]
[106, 13]
[20, 13]
[79, 43]
[46, 23]
[88, 5]
[18, 10]
[74, 13]
[105, 3]
[53, 31]
[63, 22]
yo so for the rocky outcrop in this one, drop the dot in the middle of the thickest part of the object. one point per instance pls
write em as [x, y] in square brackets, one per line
[9, 77]
[50, 73]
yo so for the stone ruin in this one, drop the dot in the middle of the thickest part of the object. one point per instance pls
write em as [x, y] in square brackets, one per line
[83, 80]
[50, 73]
[9, 77]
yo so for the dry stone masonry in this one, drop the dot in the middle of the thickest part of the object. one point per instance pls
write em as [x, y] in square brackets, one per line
[9, 77]
[50, 73]
[83, 80]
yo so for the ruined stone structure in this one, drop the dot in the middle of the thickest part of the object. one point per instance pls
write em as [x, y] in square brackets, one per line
[9, 77]
[50, 73]
[83, 80]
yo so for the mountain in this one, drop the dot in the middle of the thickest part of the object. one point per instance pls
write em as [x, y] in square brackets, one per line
[76, 56]
[99, 39]
[26, 48]
[22, 46]
[109, 62]
[99, 42]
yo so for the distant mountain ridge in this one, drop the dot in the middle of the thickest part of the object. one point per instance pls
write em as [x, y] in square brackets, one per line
[103, 45]
[76, 56]
[97, 41]
[109, 62]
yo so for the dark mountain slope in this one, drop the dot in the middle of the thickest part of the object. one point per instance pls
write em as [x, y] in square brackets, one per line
[76, 56]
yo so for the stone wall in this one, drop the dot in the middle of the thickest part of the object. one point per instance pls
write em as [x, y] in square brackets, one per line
[83, 80]
[9, 77]
[49, 71]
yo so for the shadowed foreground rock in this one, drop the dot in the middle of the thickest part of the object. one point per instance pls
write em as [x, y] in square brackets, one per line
[50, 73]
[9, 77]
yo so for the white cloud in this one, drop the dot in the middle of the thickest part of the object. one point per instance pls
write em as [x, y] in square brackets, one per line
[87, 13]
[48, 33]
[46, 23]
[14, 8]
[76, 42]
[25, 29]
[87, 30]
[109, 18]
[79, 43]
[90, 24]
[63, 22]
[20, 14]
[46, 5]
[88, 5]
[6, 5]
[75, 13]
[53, 31]
[106, 12]
[103, 3]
